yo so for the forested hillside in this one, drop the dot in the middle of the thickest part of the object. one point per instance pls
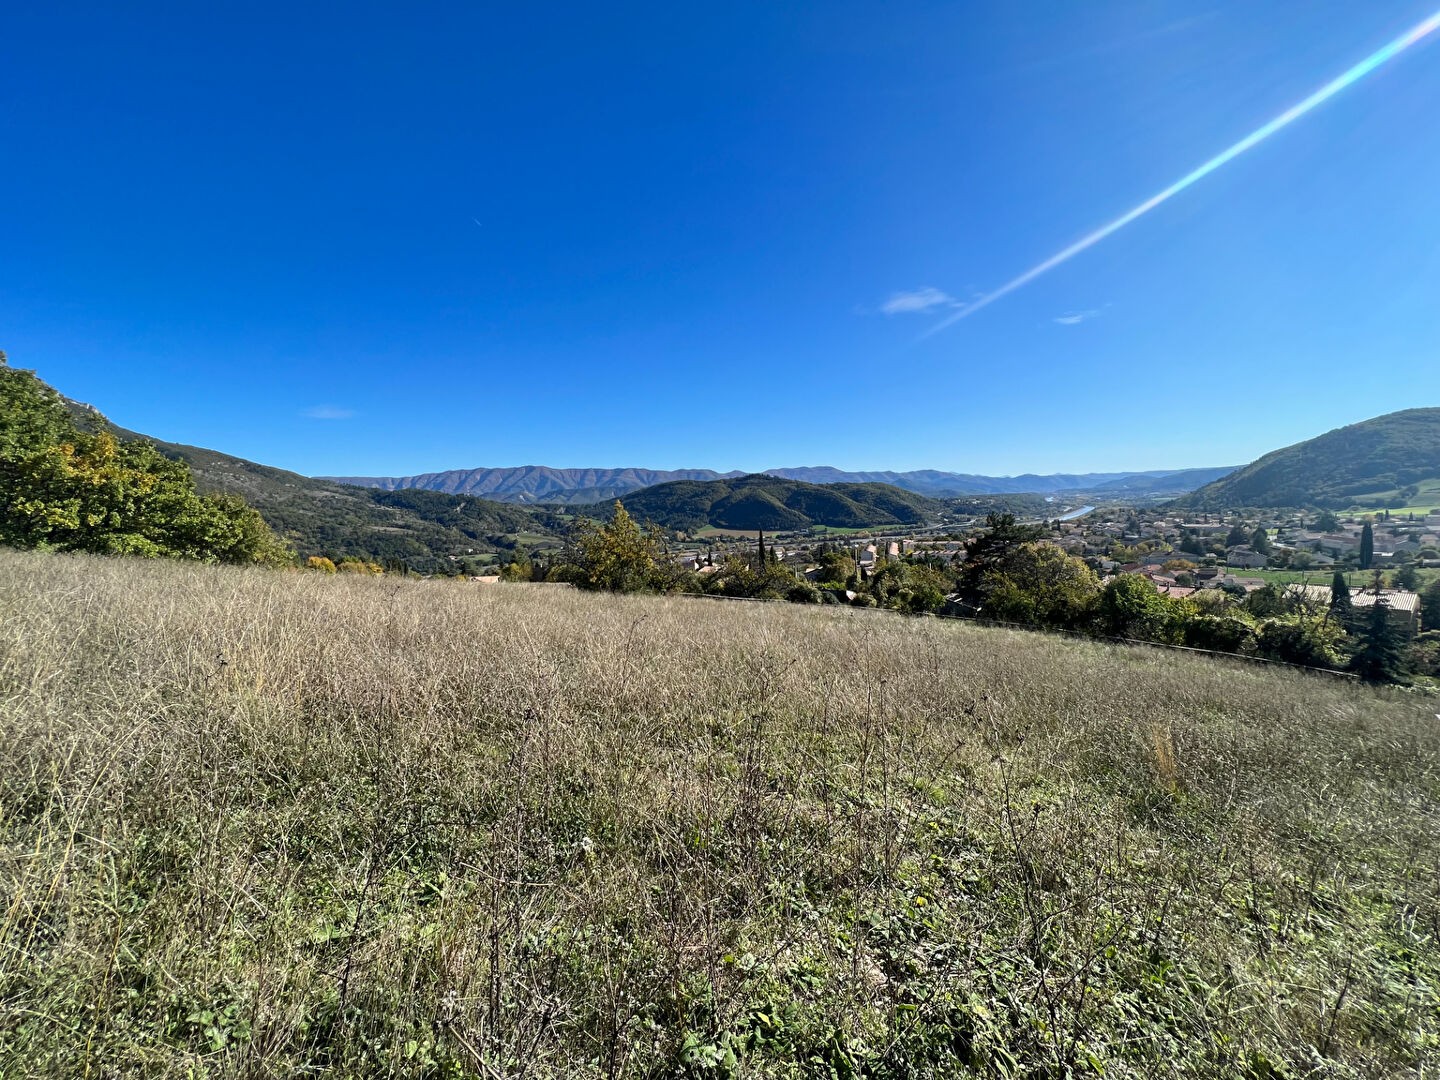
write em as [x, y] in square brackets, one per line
[767, 502]
[1376, 462]
[68, 489]
[420, 529]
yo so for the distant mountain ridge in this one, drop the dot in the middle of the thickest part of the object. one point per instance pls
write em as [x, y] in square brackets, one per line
[1372, 463]
[542, 484]
[319, 517]
[535, 483]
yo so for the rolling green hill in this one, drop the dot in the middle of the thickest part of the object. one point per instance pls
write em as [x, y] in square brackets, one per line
[1381, 462]
[768, 502]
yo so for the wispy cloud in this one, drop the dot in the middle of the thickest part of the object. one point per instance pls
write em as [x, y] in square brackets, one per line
[1075, 318]
[918, 301]
[328, 412]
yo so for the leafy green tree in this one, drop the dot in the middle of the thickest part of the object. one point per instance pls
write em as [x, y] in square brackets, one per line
[1326, 521]
[1237, 536]
[617, 556]
[989, 550]
[1266, 601]
[95, 493]
[1308, 642]
[1367, 546]
[1423, 656]
[746, 576]
[1260, 540]
[837, 567]
[1039, 583]
[1218, 633]
[1131, 607]
[1380, 657]
[69, 490]
[32, 417]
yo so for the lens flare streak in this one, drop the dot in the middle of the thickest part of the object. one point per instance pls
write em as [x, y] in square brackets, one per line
[1329, 90]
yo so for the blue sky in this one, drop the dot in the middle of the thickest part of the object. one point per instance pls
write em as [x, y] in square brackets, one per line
[370, 239]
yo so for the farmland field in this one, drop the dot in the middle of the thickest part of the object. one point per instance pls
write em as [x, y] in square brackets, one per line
[282, 824]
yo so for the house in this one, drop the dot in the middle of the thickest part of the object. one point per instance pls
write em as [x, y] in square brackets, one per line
[1404, 606]
[1246, 558]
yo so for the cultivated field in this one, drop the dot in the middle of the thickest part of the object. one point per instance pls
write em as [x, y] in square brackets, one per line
[272, 824]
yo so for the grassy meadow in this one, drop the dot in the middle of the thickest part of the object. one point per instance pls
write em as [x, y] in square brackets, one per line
[264, 824]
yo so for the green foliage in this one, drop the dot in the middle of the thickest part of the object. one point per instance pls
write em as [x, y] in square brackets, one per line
[1430, 606]
[908, 586]
[617, 555]
[768, 502]
[1406, 577]
[1131, 607]
[76, 491]
[1367, 546]
[1267, 601]
[1314, 643]
[1337, 469]
[837, 567]
[988, 552]
[1342, 608]
[1380, 656]
[1039, 583]
[767, 580]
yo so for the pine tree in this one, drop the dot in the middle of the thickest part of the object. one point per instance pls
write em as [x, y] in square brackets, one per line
[1367, 546]
[1381, 657]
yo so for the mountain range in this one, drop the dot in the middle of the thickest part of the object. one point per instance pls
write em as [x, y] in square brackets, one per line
[542, 484]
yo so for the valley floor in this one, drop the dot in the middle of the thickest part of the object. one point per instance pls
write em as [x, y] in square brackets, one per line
[276, 824]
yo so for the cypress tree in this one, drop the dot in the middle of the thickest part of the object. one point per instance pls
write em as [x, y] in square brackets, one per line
[1340, 606]
[1367, 546]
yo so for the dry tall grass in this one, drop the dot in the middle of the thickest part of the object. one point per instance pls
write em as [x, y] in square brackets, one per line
[263, 824]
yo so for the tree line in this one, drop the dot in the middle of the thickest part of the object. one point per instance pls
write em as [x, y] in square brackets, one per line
[1007, 574]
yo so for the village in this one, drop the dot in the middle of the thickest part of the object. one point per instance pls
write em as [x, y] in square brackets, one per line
[1179, 554]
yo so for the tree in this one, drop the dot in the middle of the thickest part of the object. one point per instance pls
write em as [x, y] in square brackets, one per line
[1039, 583]
[1260, 540]
[1407, 577]
[1307, 642]
[1342, 610]
[1430, 606]
[837, 567]
[1237, 536]
[991, 548]
[1367, 546]
[1266, 601]
[1326, 521]
[618, 555]
[1381, 655]
[70, 490]
[1131, 607]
